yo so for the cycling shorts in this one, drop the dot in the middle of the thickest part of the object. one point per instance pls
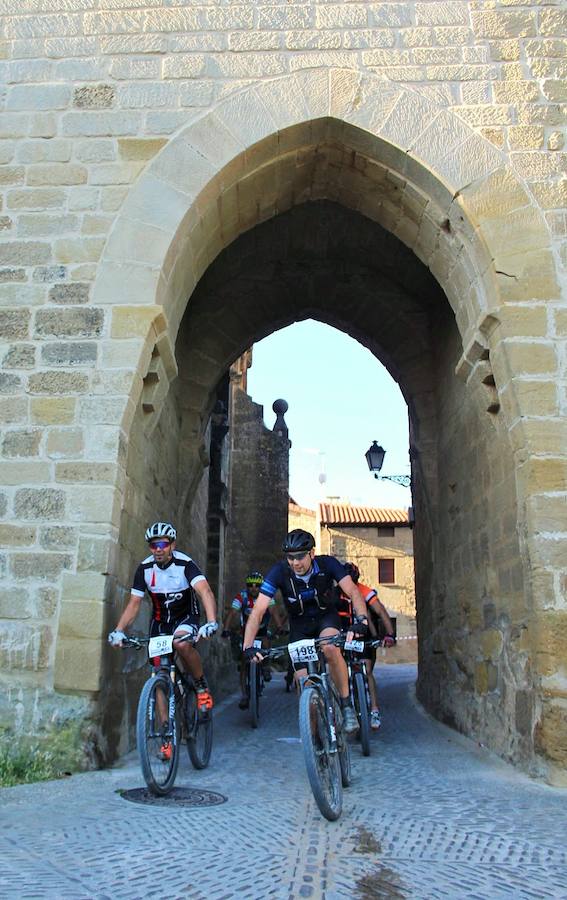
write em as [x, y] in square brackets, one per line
[311, 627]
[183, 624]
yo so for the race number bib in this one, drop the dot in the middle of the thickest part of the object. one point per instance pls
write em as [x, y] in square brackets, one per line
[303, 651]
[160, 645]
[355, 646]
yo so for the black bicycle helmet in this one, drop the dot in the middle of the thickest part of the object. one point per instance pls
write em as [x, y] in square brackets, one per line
[353, 571]
[254, 578]
[298, 540]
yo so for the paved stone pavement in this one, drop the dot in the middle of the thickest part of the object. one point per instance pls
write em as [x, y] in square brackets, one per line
[429, 815]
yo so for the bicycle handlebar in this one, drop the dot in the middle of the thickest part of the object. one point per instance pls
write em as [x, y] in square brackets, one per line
[138, 643]
[338, 640]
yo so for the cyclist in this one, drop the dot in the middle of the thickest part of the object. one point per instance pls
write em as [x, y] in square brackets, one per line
[243, 604]
[377, 612]
[306, 582]
[172, 580]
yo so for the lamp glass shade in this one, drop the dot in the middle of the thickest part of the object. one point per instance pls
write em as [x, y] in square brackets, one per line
[375, 457]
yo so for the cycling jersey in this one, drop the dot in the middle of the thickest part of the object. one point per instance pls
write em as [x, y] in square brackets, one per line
[170, 587]
[245, 603]
[344, 607]
[306, 595]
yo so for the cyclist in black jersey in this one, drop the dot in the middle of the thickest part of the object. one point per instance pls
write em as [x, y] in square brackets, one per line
[307, 584]
[175, 585]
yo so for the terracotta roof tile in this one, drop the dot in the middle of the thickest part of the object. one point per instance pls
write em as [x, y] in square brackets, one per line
[345, 514]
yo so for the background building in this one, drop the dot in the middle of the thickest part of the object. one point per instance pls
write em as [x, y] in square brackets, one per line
[380, 543]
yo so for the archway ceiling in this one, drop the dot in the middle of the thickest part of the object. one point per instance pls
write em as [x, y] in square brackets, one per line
[322, 261]
[309, 163]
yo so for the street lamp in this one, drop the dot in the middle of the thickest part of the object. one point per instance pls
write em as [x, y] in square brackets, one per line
[375, 459]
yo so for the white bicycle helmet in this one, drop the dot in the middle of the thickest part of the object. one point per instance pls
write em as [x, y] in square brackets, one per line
[160, 530]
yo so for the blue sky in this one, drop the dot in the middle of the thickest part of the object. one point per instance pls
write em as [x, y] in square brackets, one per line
[340, 400]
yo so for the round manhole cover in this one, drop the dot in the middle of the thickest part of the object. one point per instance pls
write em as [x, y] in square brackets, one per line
[177, 797]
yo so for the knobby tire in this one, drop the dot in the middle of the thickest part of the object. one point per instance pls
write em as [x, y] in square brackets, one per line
[159, 774]
[254, 692]
[199, 732]
[361, 705]
[323, 768]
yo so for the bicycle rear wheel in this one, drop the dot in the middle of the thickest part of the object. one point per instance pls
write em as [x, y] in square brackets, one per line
[199, 732]
[157, 736]
[254, 691]
[362, 711]
[343, 749]
[323, 769]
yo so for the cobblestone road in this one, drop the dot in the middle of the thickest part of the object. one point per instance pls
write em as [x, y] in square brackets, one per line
[429, 815]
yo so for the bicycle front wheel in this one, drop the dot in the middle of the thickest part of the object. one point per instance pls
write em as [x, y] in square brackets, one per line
[199, 732]
[363, 713]
[157, 736]
[254, 676]
[322, 766]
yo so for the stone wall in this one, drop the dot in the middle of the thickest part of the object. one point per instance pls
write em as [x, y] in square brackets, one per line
[259, 493]
[138, 145]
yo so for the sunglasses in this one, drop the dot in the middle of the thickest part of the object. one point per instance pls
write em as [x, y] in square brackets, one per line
[159, 545]
[296, 555]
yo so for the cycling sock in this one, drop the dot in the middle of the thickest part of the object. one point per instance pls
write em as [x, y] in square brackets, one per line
[345, 701]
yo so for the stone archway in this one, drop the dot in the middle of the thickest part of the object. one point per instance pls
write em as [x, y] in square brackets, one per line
[422, 175]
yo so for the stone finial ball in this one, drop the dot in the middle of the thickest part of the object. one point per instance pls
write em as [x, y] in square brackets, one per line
[280, 407]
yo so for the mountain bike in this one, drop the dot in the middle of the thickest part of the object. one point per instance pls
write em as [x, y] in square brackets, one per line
[254, 687]
[325, 748]
[167, 713]
[358, 687]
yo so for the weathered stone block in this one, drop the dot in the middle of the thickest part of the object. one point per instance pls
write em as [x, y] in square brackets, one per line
[25, 253]
[53, 410]
[65, 442]
[58, 383]
[69, 354]
[39, 503]
[13, 410]
[25, 646]
[10, 384]
[86, 472]
[38, 96]
[21, 443]
[14, 323]
[77, 250]
[47, 274]
[74, 293]
[19, 356]
[39, 151]
[16, 536]
[12, 175]
[499, 24]
[73, 322]
[94, 96]
[78, 664]
[139, 149]
[133, 321]
[38, 225]
[38, 198]
[91, 504]
[94, 553]
[43, 566]
[81, 619]
[58, 537]
[12, 275]
[57, 174]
